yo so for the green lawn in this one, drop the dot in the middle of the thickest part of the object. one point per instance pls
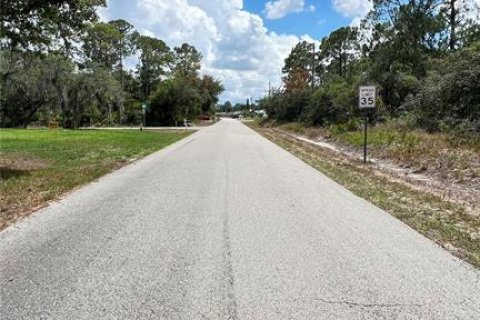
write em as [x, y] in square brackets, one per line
[40, 165]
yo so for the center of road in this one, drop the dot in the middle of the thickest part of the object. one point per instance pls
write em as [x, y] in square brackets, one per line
[226, 225]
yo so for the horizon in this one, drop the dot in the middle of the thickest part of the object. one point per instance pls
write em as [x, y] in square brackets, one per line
[243, 43]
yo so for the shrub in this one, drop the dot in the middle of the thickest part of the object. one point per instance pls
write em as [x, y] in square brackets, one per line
[450, 95]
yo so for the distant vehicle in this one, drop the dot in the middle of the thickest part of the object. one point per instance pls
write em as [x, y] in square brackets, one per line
[261, 113]
[203, 117]
[235, 115]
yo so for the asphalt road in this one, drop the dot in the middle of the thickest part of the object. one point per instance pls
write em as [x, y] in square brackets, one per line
[225, 225]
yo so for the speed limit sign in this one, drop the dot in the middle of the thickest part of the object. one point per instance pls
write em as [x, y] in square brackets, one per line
[367, 97]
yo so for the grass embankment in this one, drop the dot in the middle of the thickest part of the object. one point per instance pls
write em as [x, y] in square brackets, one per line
[39, 165]
[444, 222]
[445, 156]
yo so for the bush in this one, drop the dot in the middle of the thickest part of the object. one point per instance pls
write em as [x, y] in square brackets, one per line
[450, 96]
[173, 101]
[319, 109]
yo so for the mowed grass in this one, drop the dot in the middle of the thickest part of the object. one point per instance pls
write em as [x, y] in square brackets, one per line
[39, 165]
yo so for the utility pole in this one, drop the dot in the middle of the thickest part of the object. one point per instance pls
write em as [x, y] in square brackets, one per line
[269, 89]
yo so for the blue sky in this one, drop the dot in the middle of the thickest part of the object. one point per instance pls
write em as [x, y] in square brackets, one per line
[317, 23]
[243, 42]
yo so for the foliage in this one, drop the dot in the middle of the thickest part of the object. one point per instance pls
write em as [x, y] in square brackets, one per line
[186, 61]
[68, 68]
[38, 85]
[173, 101]
[298, 66]
[100, 45]
[209, 89]
[339, 48]
[155, 56]
[30, 25]
[450, 95]
[422, 55]
[177, 99]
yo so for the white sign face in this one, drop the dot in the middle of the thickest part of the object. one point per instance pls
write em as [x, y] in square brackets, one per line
[367, 97]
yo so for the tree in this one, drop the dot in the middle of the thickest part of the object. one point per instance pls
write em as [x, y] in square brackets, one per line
[41, 26]
[174, 100]
[155, 57]
[101, 45]
[459, 17]
[410, 30]
[450, 95]
[125, 44]
[471, 35]
[38, 86]
[210, 89]
[297, 80]
[93, 95]
[338, 49]
[298, 67]
[450, 13]
[407, 33]
[58, 62]
[186, 61]
[44, 23]
[227, 107]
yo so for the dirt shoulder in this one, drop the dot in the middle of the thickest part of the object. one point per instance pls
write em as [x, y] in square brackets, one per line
[444, 212]
[419, 175]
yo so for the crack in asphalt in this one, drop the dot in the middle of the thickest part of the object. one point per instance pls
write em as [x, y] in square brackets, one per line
[231, 301]
[369, 305]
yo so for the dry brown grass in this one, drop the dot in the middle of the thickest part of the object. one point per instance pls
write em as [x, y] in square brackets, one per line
[449, 224]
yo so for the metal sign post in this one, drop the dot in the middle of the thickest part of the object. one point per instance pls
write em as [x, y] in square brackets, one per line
[365, 129]
[367, 99]
[144, 109]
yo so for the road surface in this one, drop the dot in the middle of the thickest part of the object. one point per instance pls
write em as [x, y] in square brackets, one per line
[225, 225]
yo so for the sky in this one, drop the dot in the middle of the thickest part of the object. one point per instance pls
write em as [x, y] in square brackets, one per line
[243, 42]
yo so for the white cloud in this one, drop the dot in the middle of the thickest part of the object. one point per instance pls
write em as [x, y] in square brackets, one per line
[280, 8]
[236, 46]
[103, 12]
[356, 21]
[469, 9]
[352, 8]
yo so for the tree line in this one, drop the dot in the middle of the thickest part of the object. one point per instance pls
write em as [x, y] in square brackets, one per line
[423, 56]
[60, 64]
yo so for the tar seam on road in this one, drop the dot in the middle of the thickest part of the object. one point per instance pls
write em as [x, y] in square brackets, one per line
[370, 305]
[227, 255]
[230, 227]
